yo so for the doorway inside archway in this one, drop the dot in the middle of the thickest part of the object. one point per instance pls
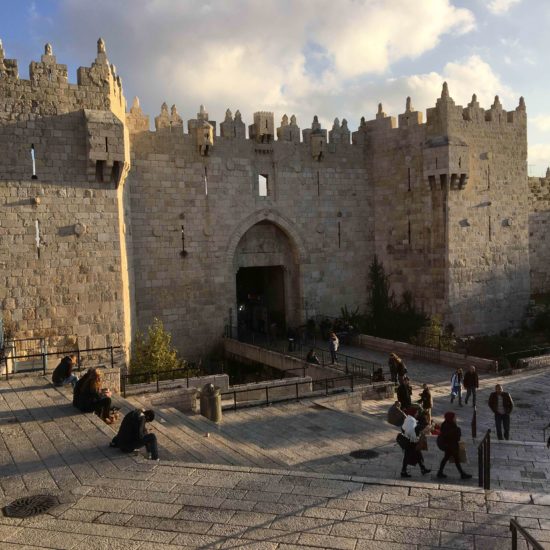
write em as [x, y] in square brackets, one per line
[261, 298]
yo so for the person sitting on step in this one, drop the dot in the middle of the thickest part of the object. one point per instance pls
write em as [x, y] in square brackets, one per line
[133, 434]
[90, 397]
[63, 373]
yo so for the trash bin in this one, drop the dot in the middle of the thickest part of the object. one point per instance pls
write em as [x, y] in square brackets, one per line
[211, 403]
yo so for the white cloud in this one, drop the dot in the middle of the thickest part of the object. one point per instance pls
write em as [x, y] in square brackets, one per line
[464, 77]
[539, 158]
[499, 7]
[283, 56]
[542, 122]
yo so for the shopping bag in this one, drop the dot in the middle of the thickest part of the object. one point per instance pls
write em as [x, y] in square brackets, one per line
[462, 456]
[422, 444]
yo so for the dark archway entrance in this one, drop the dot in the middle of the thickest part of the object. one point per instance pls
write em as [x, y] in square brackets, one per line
[261, 298]
[267, 277]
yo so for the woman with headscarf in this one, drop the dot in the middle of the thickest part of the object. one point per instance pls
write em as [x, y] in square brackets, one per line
[448, 442]
[412, 456]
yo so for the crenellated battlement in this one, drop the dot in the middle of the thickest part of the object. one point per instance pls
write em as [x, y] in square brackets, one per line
[47, 91]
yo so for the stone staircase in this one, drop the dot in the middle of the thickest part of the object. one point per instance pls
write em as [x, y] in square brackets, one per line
[113, 500]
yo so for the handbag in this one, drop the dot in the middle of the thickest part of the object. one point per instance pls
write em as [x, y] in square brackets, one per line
[402, 441]
[422, 444]
[462, 456]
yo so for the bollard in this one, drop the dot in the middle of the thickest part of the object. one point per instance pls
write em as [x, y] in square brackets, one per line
[211, 403]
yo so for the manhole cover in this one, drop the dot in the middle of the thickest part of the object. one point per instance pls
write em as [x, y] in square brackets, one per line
[30, 506]
[534, 392]
[524, 405]
[365, 454]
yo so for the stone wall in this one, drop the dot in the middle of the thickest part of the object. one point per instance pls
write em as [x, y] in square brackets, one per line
[539, 233]
[315, 211]
[487, 225]
[447, 358]
[89, 254]
[451, 209]
[62, 262]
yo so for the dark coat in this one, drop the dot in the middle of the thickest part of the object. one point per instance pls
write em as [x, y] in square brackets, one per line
[404, 396]
[131, 432]
[396, 416]
[63, 370]
[79, 387]
[471, 380]
[506, 399]
[401, 368]
[426, 399]
[449, 436]
[84, 398]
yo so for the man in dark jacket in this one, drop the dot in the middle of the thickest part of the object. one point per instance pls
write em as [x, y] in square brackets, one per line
[471, 383]
[404, 392]
[500, 402]
[63, 373]
[132, 433]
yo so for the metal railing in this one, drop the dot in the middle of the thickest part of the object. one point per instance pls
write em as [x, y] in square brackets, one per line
[324, 385]
[155, 377]
[347, 364]
[44, 358]
[26, 346]
[515, 527]
[484, 461]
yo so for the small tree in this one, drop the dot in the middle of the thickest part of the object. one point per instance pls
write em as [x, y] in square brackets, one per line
[154, 352]
[386, 317]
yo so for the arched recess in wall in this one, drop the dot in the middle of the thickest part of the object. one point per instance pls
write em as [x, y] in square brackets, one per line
[265, 257]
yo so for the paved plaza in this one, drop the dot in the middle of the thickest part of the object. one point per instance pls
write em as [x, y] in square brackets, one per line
[268, 477]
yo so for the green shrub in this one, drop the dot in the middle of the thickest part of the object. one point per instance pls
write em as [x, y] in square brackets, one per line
[154, 353]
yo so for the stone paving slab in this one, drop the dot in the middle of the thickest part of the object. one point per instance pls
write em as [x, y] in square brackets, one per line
[111, 500]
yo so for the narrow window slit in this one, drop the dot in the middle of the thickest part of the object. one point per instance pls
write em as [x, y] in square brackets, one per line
[263, 185]
[99, 171]
[115, 172]
[34, 176]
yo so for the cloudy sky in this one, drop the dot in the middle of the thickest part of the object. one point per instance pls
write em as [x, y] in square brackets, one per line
[334, 58]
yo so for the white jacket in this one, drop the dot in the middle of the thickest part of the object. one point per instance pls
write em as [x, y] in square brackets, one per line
[408, 428]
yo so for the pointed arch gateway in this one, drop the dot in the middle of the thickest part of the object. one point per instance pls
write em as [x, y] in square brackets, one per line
[266, 254]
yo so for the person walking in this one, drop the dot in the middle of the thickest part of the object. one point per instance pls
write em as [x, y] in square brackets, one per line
[392, 364]
[500, 402]
[411, 454]
[471, 383]
[426, 402]
[333, 346]
[456, 386]
[396, 416]
[401, 369]
[448, 441]
[133, 434]
[404, 392]
[63, 373]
